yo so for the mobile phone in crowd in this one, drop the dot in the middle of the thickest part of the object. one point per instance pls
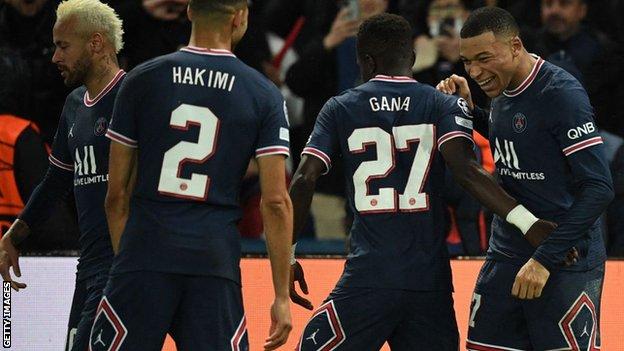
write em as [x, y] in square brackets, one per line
[354, 9]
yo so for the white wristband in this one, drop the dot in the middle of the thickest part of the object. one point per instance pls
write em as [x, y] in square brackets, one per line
[521, 218]
[293, 260]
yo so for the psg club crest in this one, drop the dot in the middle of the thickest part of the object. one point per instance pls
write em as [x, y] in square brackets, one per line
[519, 123]
[101, 125]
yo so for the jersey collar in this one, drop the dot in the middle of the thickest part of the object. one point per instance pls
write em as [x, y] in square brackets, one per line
[90, 102]
[206, 51]
[525, 84]
[394, 79]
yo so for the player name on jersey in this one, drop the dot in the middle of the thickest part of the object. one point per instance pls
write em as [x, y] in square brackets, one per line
[389, 104]
[203, 77]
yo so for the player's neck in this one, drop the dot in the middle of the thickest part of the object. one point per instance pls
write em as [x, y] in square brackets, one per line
[101, 74]
[211, 39]
[394, 72]
[527, 62]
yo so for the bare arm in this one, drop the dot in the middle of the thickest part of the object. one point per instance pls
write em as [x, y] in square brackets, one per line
[302, 190]
[277, 215]
[121, 180]
[467, 171]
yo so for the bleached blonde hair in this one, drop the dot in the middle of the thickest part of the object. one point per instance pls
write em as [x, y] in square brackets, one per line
[93, 16]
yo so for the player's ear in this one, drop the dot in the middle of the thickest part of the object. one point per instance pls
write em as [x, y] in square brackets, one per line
[413, 59]
[96, 43]
[189, 13]
[368, 67]
[516, 46]
[240, 17]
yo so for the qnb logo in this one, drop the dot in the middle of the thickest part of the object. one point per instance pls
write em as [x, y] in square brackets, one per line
[506, 154]
[578, 132]
[85, 162]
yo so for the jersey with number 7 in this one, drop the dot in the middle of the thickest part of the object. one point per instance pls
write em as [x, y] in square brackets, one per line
[197, 117]
[388, 132]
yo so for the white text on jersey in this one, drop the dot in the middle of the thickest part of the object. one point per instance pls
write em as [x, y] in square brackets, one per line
[203, 77]
[390, 104]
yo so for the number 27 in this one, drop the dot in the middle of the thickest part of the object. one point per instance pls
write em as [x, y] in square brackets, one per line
[412, 199]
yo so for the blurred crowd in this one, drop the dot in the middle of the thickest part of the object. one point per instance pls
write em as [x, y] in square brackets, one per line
[307, 48]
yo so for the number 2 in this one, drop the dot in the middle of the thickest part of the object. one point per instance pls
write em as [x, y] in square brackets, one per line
[412, 199]
[195, 188]
[476, 303]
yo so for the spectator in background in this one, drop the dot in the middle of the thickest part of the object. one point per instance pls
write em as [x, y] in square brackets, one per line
[564, 36]
[26, 28]
[152, 28]
[438, 49]
[24, 159]
[327, 65]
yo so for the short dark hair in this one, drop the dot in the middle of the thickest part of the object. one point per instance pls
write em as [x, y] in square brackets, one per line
[209, 7]
[386, 37]
[489, 19]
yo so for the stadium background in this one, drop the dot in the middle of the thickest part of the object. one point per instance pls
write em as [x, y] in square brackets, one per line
[39, 313]
[34, 88]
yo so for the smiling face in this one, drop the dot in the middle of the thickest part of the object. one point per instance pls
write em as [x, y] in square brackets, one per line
[490, 60]
[71, 56]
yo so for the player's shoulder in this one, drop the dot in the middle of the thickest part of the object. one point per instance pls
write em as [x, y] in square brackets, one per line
[559, 85]
[151, 67]
[257, 81]
[75, 97]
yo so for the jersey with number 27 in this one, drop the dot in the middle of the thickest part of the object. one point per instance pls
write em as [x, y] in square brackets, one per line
[197, 117]
[388, 132]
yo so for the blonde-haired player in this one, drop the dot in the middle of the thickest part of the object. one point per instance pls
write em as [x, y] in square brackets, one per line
[87, 36]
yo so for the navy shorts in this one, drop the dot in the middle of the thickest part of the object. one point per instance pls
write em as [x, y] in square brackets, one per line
[139, 308]
[362, 319]
[565, 317]
[87, 295]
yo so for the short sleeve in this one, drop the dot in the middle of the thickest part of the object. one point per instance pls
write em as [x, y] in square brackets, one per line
[274, 137]
[573, 121]
[60, 155]
[454, 119]
[323, 141]
[123, 125]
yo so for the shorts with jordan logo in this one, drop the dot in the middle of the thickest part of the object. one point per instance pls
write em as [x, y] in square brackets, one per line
[565, 317]
[139, 308]
[363, 319]
[87, 296]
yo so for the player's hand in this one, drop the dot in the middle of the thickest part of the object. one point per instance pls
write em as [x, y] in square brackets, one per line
[9, 257]
[456, 84]
[281, 324]
[539, 231]
[571, 258]
[530, 280]
[296, 275]
[342, 28]
[166, 10]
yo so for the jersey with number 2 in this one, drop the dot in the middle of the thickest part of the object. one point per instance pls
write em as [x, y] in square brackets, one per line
[197, 117]
[387, 131]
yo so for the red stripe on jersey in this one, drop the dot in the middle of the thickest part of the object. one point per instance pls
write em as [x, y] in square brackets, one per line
[107, 88]
[582, 145]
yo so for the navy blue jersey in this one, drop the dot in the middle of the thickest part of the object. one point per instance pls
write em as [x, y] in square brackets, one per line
[81, 147]
[197, 117]
[387, 131]
[546, 145]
